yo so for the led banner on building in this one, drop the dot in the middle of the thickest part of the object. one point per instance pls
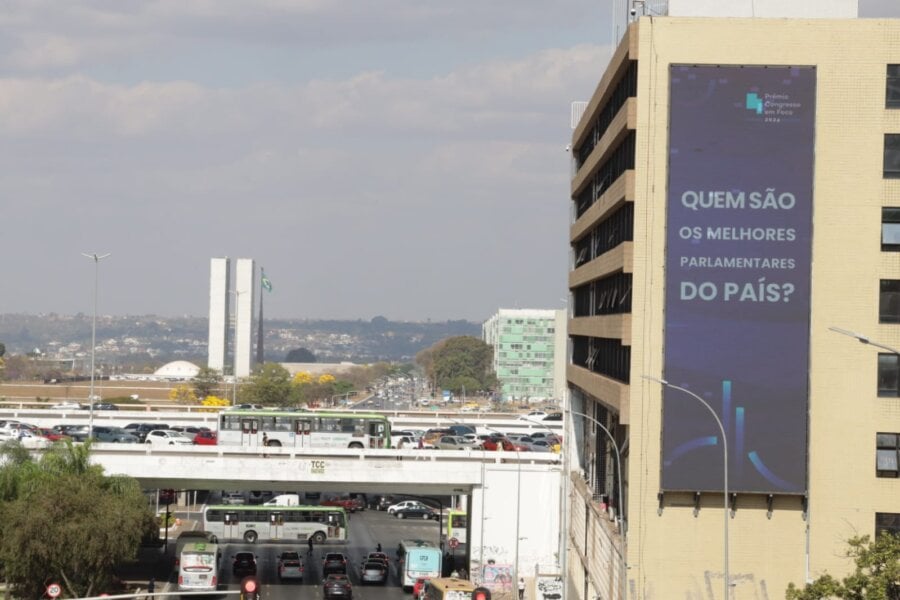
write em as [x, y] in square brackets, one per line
[739, 234]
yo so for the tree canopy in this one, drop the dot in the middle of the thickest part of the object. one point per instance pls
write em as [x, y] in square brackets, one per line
[459, 362]
[207, 382]
[300, 355]
[876, 575]
[61, 503]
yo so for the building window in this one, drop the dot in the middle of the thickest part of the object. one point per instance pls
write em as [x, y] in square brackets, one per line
[893, 86]
[888, 375]
[889, 301]
[892, 156]
[890, 229]
[887, 449]
[887, 523]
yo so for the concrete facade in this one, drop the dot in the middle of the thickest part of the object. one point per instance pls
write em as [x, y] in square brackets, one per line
[529, 352]
[245, 304]
[219, 284]
[675, 540]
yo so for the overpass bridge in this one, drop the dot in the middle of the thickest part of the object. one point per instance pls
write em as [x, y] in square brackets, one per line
[513, 500]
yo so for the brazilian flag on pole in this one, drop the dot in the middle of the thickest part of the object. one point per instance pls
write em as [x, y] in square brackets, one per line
[267, 285]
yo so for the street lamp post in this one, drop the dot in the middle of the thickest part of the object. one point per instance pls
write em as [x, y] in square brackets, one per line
[96, 258]
[864, 339]
[623, 522]
[727, 579]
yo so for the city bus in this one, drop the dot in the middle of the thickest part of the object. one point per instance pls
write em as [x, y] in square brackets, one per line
[277, 523]
[303, 429]
[457, 525]
[198, 567]
[449, 588]
[417, 558]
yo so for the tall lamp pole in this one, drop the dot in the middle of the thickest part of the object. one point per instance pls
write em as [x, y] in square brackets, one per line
[96, 258]
[623, 522]
[727, 579]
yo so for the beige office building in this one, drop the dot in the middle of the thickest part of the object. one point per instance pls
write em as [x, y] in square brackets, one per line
[736, 193]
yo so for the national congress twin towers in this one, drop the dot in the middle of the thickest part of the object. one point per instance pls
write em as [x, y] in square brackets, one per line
[244, 295]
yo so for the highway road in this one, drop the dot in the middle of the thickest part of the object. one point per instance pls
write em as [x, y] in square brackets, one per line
[367, 529]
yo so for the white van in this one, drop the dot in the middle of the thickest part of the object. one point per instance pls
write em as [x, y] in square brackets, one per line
[284, 500]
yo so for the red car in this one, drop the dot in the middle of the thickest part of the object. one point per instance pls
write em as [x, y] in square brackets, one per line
[347, 504]
[492, 443]
[206, 438]
[53, 436]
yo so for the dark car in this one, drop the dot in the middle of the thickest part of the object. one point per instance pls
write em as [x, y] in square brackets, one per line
[373, 571]
[557, 416]
[334, 562]
[383, 502]
[104, 406]
[461, 429]
[416, 512]
[243, 564]
[337, 585]
[109, 433]
[142, 429]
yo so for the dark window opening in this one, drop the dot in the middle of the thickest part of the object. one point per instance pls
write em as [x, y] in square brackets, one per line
[892, 156]
[893, 87]
[888, 375]
[889, 301]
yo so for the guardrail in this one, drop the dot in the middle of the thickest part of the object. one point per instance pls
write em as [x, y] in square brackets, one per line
[275, 452]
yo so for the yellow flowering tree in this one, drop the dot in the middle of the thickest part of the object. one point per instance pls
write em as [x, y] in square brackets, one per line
[183, 394]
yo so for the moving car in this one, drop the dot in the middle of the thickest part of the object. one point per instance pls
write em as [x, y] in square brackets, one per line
[453, 442]
[497, 442]
[167, 437]
[373, 571]
[142, 429]
[66, 405]
[290, 566]
[104, 406]
[416, 512]
[52, 434]
[334, 562]
[348, 504]
[243, 564]
[337, 585]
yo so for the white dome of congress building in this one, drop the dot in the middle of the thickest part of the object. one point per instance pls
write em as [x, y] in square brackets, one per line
[178, 369]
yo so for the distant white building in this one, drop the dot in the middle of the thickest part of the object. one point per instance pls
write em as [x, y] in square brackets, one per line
[529, 353]
[219, 284]
[244, 304]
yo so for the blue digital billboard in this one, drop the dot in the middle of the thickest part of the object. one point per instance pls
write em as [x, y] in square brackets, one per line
[738, 259]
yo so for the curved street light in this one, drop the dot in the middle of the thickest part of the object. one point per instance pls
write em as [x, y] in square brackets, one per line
[96, 258]
[863, 339]
[623, 522]
[727, 578]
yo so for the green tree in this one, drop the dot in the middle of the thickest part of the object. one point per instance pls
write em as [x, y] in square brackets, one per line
[2, 349]
[207, 382]
[60, 503]
[300, 355]
[270, 384]
[875, 577]
[458, 361]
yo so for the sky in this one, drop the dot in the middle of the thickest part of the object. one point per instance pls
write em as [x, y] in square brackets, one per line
[398, 158]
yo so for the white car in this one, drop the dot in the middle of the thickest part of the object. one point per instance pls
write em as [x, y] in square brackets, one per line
[405, 504]
[66, 406]
[167, 437]
[535, 415]
[26, 437]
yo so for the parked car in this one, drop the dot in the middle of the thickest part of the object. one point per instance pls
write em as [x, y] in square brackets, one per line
[243, 564]
[334, 562]
[557, 416]
[535, 415]
[433, 435]
[496, 442]
[348, 504]
[461, 430]
[383, 502]
[78, 433]
[453, 442]
[234, 498]
[28, 438]
[206, 438]
[52, 434]
[290, 566]
[403, 504]
[416, 512]
[167, 437]
[337, 585]
[142, 429]
[108, 433]
[373, 571]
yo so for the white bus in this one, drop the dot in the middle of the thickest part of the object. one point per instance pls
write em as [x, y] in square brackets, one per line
[417, 558]
[277, 523]
[303, 429]
[198, 567]
[457, 526]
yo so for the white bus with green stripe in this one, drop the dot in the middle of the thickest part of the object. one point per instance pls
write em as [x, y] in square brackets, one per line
[303, 429]
[260, 523]
[198, 567]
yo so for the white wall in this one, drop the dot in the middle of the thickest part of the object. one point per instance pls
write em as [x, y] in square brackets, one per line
[245, 302]
[219, 271]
